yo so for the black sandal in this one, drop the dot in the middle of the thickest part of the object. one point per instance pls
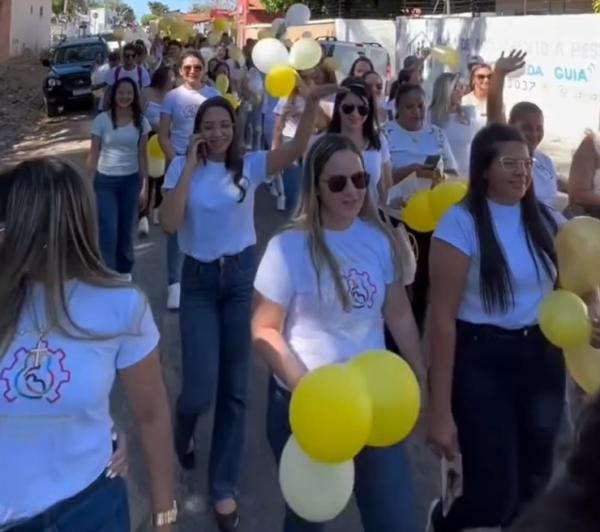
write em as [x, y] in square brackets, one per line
[186, 457]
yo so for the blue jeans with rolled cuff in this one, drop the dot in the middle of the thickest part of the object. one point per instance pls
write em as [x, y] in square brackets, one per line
[383, 480]
[117, 198]
[214, 316]
[101, 507]
[507, 400]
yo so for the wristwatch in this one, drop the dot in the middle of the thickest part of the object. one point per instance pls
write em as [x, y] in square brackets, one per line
[165, 518]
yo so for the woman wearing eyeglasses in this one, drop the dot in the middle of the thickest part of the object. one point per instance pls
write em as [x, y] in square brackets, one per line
[480, 77]
[323, 290]
[496, 383]
[176, 125]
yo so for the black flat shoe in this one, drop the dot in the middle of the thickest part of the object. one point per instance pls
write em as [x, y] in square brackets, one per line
[228, 522]
[187, 458]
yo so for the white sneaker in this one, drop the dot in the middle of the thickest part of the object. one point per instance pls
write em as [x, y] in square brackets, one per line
[155, 217]
[273, 189]
[144, 227]
[173, 296]
[281, 203]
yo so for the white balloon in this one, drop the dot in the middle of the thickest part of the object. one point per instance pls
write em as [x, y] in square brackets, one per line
[297, 15]
[207, 53]
[305, 54]
[269, 53]
[518, 73]
[315, 491]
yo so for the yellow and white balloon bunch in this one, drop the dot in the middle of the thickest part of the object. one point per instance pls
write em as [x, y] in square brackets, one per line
[335, 411]
[156, 158]
[271, 56]
[563, 315]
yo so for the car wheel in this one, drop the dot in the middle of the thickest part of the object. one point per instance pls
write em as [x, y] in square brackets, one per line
[51, 110]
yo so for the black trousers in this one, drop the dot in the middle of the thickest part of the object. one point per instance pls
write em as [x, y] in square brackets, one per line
[507, 400]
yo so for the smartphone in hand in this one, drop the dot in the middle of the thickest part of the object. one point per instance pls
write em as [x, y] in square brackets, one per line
[432, 161]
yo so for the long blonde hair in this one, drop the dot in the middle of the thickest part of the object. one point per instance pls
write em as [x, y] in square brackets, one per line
[50, 237]
[441, 106]
[307, 217]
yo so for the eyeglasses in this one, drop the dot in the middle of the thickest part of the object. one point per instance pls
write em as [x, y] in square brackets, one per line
[195, 68]
[348, 109]
[483, 76]
[337, 183]
[510, 164]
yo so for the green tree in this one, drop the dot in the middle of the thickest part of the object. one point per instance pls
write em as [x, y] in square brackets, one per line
[596, 6]
[125, 13]
[324, 7]
[158, 9]
[147, 19]
[73, 6]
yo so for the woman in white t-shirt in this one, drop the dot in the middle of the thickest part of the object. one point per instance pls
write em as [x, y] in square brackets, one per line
[324, 289]
[480, 75]
[458, 122]
[420, 154]
[529, 119]
[497, 385]
[209, 202]
[118, 160]
[375, 83]
[354, 117]
[175, 129]
[73, 325]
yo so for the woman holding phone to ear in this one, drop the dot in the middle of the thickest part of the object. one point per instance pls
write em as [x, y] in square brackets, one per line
[209, 202]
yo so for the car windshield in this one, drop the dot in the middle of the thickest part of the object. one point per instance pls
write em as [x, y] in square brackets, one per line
[83, 53]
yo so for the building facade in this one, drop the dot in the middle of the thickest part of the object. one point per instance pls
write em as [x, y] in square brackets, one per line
[24, 27]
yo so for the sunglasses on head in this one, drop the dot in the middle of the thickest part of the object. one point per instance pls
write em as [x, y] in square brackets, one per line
[348, 109]
[337, 183]
[189, 68]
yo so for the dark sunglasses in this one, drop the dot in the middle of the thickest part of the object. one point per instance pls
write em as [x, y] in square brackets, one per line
[337, 183]
[348, 109]
[189, 68]
[483, 76]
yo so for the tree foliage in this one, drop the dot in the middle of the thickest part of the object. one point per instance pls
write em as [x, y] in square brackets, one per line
[73, 6]
[158, 9]
[278, 7]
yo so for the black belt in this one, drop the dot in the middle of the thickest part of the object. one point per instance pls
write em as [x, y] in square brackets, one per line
[487, 330]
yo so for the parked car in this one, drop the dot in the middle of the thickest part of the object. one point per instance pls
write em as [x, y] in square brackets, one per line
[345, 53]
[69, 75]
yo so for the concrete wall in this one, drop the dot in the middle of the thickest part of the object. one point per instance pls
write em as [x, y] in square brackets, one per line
[5, 10]
[29, 25]
[562, 74]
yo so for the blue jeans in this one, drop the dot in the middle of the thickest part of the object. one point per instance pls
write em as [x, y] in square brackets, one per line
[101, 507]
[117, 206]
[174, 259]
[292, 176]
[383, 483]
[214, 316]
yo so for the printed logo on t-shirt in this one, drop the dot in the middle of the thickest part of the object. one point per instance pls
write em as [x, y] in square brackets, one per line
[36, 373]
[189, 111]
[360, 289]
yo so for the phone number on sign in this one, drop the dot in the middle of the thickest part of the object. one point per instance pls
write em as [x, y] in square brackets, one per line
[521, 84]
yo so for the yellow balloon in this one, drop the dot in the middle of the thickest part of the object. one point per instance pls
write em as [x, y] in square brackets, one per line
[564, 320]
[330, 413]
[446, 55]
[417, 212]
[395, 396]
[584, 367]
[280, 81]
[220, 24]
[214, 38]
[222, 83]
[444, 196]
[578, 251]
[232, 99]
[306, 53]
[156, 167]
[154, 149]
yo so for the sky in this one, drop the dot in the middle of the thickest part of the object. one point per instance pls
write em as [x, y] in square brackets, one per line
[141, 6]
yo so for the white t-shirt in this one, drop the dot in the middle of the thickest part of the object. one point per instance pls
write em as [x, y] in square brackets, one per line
[373, 161]
[216, 223]
[545, 180]
[413, 147]
[152, 114]
[317, 328]
[137, 74]
[480, 105]
[292, 113]
[460, 133]
[119, 147]
[55, 424]
[182, 104]
[530, 285]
